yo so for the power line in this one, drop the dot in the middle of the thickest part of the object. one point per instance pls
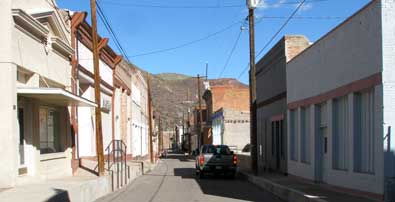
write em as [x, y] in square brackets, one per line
[111, 31]
[188, 43]
[244, 71]
[260, 19]
[231, 53]
[123, 4]
[278, 32]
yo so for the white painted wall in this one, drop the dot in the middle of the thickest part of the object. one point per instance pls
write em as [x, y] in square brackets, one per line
[86, 127]
[86, 60]
[351, 52]
[117, 113]
[388, 109]
[106, 118]
[20, 51]
[9, 138]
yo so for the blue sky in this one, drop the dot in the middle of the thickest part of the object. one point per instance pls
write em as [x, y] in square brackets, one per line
[148, 25]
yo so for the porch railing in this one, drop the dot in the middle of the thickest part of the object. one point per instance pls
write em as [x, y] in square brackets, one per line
[116, 163]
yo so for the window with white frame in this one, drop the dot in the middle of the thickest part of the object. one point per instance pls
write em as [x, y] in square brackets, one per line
[364, 131]
[340, 133]
[293, 135]
[305, 135]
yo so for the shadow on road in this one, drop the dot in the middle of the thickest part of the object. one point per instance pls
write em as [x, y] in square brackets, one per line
[180, 157]
[223, 187]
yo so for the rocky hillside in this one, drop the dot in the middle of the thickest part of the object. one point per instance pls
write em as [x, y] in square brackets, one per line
[170, 93]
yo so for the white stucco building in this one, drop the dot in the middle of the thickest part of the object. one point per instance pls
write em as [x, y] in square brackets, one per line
[140, 138]
[231, 127]
[83, 74]
[340, 97]
[35, 59]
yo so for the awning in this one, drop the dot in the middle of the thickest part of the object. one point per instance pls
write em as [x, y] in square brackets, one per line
[55, 96]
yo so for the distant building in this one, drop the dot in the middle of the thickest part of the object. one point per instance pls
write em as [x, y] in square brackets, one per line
[231, 128]
[272, 103]
[228, 97]
[341, 111]
[204, 137]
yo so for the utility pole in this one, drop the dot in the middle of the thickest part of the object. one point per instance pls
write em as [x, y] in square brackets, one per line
[151, 149]
[252, 4]
[160, 139]
[99, 134]
[188, 125]
[206, 71]
[200, 137]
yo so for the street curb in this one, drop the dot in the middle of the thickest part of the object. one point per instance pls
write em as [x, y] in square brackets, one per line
[283, 192]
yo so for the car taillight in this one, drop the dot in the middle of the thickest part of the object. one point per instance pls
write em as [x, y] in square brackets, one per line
[201, 160]
[234, 159]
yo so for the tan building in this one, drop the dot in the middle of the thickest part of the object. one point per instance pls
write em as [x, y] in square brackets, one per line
[140, 138]
[35, 58]
[123, 104]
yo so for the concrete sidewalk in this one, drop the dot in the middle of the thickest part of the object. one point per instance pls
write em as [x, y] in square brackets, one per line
[84, 187]
[81, 188]
[294, 189]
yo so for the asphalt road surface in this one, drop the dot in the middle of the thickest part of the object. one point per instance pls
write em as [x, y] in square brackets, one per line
[174, 180]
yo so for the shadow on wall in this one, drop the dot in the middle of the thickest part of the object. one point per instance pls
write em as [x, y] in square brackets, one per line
[60, 196]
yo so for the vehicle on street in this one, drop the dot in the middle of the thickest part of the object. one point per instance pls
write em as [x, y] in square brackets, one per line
[215, 159]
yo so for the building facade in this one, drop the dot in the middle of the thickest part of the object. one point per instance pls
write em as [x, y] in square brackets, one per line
[229, 97]
[83, 75]
[35, 57]
[272, 103]
[340, 104]
[232, 128]
[140, 138]
[122, 100]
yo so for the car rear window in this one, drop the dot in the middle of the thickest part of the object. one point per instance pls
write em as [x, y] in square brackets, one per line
[210, 149]
[222, 149]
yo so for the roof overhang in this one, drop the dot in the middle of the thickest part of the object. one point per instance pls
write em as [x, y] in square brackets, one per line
[55, 96]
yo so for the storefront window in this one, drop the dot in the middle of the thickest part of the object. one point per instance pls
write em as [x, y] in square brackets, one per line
[49, 131]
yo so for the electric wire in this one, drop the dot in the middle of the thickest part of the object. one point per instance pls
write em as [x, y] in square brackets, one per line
[109, 28]
[188, 43]
[123, 4]
[231, 53]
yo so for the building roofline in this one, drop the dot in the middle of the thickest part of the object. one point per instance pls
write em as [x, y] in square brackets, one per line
[334, 29]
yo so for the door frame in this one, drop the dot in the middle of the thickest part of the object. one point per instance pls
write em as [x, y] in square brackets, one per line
[320, 144]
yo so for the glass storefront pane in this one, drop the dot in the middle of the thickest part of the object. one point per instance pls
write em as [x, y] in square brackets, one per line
[49, 131]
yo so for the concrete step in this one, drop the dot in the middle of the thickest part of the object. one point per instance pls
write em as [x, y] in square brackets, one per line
[76, 189]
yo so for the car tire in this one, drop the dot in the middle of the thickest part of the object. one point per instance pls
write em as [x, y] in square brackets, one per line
[232, 175]
[201, 175]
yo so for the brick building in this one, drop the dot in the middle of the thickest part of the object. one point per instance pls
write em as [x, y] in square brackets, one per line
[224, 96]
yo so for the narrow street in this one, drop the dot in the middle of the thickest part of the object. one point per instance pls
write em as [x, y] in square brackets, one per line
[174, 180]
